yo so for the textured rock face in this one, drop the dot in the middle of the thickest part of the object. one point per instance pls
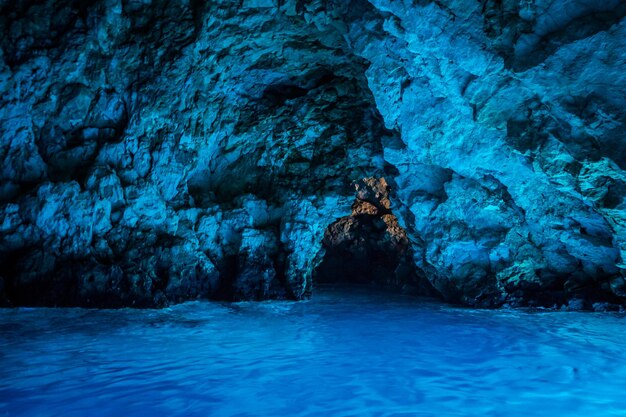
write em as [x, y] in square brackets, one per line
[370, 246]
[160, 151]
[502, 199]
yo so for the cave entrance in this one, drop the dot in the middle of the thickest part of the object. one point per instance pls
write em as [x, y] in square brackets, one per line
[369, 246]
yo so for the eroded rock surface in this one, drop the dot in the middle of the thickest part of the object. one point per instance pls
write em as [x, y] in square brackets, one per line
[369, 246]
[160, 151]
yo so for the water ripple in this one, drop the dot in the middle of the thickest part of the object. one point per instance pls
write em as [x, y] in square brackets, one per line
[343, 353]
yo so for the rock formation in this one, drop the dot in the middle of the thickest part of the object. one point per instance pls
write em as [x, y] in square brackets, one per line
[165, 150]
[370, 246]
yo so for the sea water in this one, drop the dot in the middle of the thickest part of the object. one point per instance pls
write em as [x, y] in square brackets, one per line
[345, 352]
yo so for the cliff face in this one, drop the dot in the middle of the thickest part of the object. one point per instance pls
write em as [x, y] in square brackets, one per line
[159, 151]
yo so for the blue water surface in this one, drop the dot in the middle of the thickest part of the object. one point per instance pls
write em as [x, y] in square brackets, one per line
[346, 352]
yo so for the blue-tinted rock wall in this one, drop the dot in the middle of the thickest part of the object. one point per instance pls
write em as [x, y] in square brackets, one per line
[160, 151]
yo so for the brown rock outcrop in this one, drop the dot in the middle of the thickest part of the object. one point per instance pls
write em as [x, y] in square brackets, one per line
[369, 245]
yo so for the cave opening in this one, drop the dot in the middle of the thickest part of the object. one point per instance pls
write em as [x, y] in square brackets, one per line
[370, 247]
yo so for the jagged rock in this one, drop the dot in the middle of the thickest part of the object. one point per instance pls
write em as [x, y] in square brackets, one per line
[369, 245]
[160, 151]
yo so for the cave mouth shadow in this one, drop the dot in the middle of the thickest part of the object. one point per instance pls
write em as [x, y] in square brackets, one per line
[369, 247]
